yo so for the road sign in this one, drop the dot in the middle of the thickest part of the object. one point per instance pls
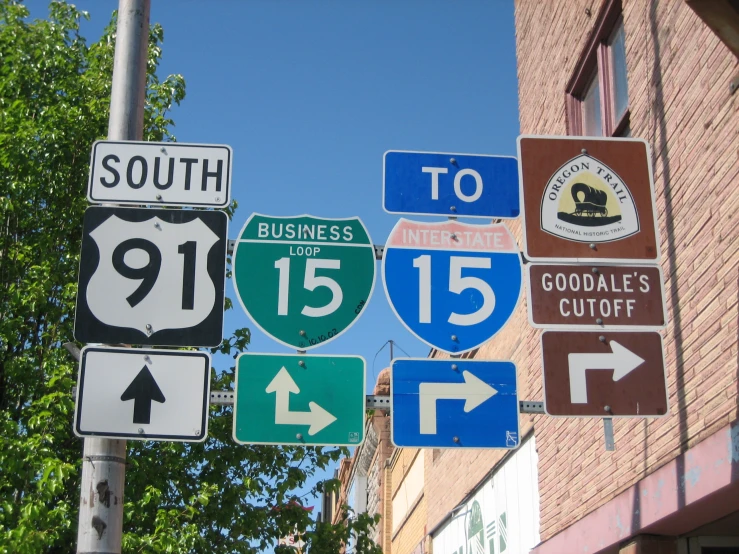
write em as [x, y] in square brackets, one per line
[143, 394]
[163, 173]
[152, 276]
[603, 374]
[454, 403]
[436, 183]
[299, 399]
[587, 199]
[596, 296]
[304, 280]
[452, 284]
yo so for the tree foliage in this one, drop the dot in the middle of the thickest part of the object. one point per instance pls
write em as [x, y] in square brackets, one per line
[214, 497]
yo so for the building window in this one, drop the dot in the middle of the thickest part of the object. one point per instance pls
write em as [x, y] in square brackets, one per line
[617, 59]
[597, 94]
[590, 108]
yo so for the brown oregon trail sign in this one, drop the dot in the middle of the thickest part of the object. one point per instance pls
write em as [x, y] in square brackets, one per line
[595, 296]
[622, 375]
[587, 199]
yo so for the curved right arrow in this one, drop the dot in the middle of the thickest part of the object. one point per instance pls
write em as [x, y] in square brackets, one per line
[621, 360]
[473, 391]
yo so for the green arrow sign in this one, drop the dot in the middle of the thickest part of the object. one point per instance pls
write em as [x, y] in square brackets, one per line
[299, 399]
[303, 280]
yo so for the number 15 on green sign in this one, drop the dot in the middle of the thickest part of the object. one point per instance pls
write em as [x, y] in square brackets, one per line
[304, 280]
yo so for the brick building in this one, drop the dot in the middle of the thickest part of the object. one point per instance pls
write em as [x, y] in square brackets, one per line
[366, 476]
[657, 70]
[665, 71]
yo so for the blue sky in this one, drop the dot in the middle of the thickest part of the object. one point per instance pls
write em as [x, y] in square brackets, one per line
[310, 94]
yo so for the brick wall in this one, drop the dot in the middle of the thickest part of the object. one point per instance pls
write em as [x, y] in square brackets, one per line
[679, 74]
[387, 522]
[412, 529]
[343, 476]
[380, 425]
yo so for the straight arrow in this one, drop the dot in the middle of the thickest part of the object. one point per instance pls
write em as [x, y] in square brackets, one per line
[143, 390]
[282, 385]
[473, 391]
[621, 360]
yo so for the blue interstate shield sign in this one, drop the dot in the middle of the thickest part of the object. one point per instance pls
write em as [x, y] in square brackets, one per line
[452, 284]
[434, 183]
[454, 403]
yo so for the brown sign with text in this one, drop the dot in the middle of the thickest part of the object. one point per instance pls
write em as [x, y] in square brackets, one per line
[596, 296]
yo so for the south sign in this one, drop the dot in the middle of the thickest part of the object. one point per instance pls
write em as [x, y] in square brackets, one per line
[161, 173]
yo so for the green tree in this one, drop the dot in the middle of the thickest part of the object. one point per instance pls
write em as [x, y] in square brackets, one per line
[213, 497]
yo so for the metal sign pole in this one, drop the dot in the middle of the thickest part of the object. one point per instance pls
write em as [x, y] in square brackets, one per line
[608, 432]
[100, 526]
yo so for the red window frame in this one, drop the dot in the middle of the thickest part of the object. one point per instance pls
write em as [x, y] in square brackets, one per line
[596, 59]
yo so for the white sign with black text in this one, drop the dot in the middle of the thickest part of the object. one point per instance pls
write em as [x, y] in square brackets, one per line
[143, 394]
[162, 173]
[152, 277]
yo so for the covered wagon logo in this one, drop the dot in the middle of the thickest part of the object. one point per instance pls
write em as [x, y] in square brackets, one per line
[586, 201]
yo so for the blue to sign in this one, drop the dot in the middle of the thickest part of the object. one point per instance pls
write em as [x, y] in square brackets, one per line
[453, 285]
[432, 183]
[471, 405]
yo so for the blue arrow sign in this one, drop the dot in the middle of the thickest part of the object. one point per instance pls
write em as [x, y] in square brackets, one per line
[435, 183]
[452, 284]
[454, 403]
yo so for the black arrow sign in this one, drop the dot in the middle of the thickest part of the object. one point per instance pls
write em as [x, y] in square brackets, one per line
[143, 390]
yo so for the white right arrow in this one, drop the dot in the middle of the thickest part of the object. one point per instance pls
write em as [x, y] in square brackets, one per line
[283, 385]
[473, 391]
[621, 360]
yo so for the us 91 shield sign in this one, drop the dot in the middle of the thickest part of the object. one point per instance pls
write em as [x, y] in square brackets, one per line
[152, 276]
[453, 285]
[303, 280]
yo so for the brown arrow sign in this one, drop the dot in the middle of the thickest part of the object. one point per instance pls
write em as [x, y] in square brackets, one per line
[603, 374]
[597, 296]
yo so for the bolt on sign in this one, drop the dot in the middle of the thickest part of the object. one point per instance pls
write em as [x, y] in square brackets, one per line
[304, 280]
[594, 296]
[454, 403]
[299, 399]
[143, 394]
[587, 199]
[436, 183]
[162, 173]
[452, 284]
[603, 374]
[152, 276]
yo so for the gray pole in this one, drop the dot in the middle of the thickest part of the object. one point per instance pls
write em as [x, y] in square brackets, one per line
[100, 527]
[391, 351]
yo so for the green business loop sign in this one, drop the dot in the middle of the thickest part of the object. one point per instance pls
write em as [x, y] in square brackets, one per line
[303, 280]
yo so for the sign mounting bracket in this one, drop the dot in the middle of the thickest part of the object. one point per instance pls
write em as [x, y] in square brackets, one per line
[372, 402]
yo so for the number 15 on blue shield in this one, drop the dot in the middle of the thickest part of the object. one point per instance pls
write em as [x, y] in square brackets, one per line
[453, 285]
